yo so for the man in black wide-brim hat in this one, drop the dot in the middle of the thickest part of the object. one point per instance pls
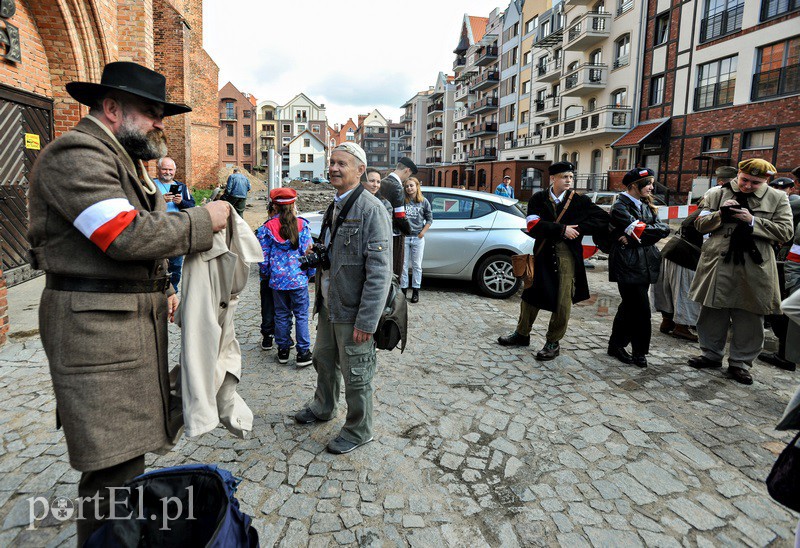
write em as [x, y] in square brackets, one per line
[99, 229]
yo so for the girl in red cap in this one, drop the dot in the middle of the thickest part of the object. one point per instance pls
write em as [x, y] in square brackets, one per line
[284, 239]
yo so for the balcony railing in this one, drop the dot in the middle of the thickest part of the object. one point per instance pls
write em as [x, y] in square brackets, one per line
[462, 91]
[485, 128]
[462, 113]
[591, 181]
[375, 135]
[433, 143]
[436, 107]
[721, 24]
[486, 56]
[485, 81]
[486, 153]
[590, 28]
[266, 134]
[776, 83]
[435, 125]
[608, 119]
[433, 160]
[550, 71]
[545, 106]
[484, 105]
[404, 148]
[406, 118]
[584, 80]
[714, 95]
[459, 62]
[774, 8]
[227, 116]
[530, 141]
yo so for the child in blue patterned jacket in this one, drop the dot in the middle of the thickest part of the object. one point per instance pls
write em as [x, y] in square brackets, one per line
[285, 238]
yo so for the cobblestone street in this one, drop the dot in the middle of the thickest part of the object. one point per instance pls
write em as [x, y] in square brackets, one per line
[475, 444]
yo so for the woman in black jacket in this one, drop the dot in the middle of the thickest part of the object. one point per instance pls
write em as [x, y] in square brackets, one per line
[634, 263]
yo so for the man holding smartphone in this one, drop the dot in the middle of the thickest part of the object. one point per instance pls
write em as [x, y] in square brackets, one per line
[178, 198]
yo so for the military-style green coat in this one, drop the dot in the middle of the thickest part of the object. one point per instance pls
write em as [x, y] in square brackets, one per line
[747, 286]
[89, 217]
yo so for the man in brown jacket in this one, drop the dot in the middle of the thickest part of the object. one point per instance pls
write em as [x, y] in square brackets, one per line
[100, 230]
[737, 279]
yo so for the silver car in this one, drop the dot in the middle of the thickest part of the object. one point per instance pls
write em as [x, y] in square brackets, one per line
[472, 237]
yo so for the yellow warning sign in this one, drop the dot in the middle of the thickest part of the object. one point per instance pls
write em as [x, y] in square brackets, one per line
[32, 141]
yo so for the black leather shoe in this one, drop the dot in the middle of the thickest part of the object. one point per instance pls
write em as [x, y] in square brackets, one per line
[515, 339]
[639, 361]
[701, 362]
[548, 352]
[772, 358]
[620, 353]
[415, 295]
[740, 375]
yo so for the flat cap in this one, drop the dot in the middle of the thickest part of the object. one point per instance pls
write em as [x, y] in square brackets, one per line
[781, 182]
[409, 164]
[757, 167]
[283, 195]
[353, 149]
[726, 172]
[560, 167]
[637, 175]
[507, 177]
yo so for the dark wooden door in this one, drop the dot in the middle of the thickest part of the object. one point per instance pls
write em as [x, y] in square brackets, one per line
[21, 115]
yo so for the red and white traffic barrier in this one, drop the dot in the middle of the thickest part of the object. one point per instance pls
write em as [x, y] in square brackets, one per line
[675, 212]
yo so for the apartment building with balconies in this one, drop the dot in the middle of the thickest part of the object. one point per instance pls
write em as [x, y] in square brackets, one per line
[440, 124]
[510, 74]
[267, 144]
[415, 127]
[524, 142]
[237, 130]
[373, 136]
[720, 83]
[396, 141]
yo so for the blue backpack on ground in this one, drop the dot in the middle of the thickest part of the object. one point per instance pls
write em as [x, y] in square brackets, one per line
[192, 505]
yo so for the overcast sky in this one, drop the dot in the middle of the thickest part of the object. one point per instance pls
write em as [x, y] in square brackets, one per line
[352, 55]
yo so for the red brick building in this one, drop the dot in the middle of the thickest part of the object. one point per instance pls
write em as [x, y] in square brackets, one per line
[719, 84]
[62, 41]
[237, 128]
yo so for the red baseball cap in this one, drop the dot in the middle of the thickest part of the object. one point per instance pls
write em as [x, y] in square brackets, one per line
[283, 195]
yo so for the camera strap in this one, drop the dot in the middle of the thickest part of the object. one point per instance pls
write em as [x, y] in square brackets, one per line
[326, 224]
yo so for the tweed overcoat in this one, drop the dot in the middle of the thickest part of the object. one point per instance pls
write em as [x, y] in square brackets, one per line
[747, 286]
[107, 351]
[590, 219]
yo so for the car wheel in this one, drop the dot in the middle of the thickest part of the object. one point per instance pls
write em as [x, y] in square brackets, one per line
[495, 277]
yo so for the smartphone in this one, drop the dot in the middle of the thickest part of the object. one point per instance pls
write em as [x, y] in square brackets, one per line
[175, 189]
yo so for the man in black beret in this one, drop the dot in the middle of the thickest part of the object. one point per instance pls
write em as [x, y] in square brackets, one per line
[558, 218]
[392, 191]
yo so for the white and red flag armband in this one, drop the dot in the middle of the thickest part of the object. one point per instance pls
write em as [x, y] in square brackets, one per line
[532, 220]
[103, 221]
[794, 254]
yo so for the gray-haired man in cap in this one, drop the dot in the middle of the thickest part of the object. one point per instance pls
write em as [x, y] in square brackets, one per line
[350, 296]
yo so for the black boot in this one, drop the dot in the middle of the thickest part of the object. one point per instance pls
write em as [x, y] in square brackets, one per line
[415, 295]
[405, 292]
[515, 339]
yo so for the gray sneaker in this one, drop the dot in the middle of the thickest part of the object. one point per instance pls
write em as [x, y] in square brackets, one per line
[339, 445]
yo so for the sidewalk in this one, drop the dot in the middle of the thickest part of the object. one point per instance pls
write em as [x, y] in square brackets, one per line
[475, 444]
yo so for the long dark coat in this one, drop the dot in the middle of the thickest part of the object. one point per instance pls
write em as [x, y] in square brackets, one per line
[589, 217]
[107, 351]
[635, 262]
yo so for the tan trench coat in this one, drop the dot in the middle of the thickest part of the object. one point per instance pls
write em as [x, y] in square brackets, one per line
[211, 360]
[107, 351]
[750, 287]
